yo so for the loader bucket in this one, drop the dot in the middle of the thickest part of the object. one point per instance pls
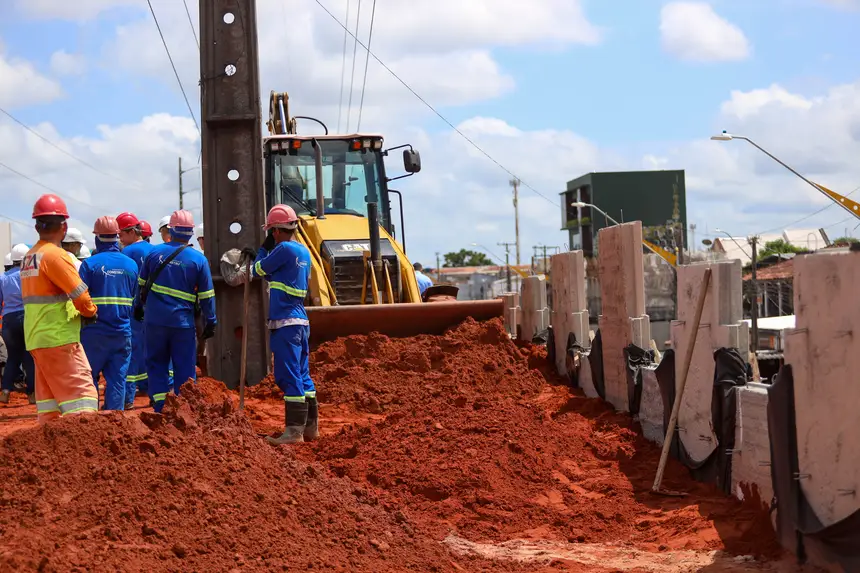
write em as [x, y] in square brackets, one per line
[396, 320]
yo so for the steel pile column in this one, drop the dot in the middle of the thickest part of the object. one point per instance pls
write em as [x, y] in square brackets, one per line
[232, 176]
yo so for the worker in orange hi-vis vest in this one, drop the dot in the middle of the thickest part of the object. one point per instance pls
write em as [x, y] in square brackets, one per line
[55, 299]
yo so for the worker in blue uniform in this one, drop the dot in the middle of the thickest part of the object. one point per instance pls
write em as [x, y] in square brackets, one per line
[112, 280]
[286, 265]
[178, 279]
[424, 281]
[134, 247]
[12, 309]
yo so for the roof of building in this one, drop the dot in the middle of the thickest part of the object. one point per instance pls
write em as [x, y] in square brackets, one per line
[809, 239]
[780, 271]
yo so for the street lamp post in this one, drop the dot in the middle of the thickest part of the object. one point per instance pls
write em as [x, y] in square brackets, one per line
[181, 172]
[725, 136]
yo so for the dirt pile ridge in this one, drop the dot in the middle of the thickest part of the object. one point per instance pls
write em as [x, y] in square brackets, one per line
[192, 489]
[481, 440]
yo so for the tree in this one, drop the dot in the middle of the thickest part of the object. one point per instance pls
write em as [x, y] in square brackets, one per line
[466, 258]
[778, 246]
[845, 241]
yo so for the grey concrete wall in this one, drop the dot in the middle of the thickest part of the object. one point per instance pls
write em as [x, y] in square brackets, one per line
[824, 352]
[751, 459]
[622, 292]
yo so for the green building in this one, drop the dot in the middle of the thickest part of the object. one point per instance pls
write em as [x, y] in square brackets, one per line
[657, 198]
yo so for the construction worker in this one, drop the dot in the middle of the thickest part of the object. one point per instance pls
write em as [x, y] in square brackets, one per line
[286, 265]
[200, 236]
[13, 329]
[424, 281]
[145, 231]
[83, 254]
[135, 248]
[72, 243]
[179, 279]
[112, 279]
[7, 262]
[55, 298]
[164, 229]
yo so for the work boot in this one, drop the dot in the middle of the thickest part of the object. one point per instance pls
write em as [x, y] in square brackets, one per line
[296, 417]
[312, 431]
[129, 406]
[31, 397]
[4, 396]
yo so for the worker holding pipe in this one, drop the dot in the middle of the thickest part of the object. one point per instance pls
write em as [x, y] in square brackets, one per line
[174, 279]
[55, 298]
[135, 248]
[286, 265]
[13, 328]
[112, 279]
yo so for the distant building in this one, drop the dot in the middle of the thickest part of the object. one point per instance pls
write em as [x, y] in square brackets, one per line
[657, 198]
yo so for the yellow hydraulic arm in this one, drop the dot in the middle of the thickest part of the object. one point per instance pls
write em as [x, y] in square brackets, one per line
[670, 258]
[851, 206]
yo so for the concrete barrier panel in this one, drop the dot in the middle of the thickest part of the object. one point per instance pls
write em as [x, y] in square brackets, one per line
[824, 352]
[751, 460]
[570, 306]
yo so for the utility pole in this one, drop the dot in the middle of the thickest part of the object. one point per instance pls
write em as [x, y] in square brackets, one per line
[438, 269]
[545, 265]
[753, 241]
[515, 183]
[534, 258]
[507, 247]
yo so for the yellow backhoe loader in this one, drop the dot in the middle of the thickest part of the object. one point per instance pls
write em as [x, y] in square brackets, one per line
[361, 279]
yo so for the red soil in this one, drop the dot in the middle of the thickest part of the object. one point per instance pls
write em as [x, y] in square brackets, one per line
[423, 437]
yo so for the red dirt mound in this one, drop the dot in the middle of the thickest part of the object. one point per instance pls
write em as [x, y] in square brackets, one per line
[191, 489]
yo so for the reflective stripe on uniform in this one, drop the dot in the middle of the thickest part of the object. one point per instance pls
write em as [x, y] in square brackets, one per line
[276, 324]
[78, 291]
[140, 281]
[258, 268]
[79, 405]
[288, 289]
[312, 394]
[299, 399]
[206, 294]
[45, 299]
[167, 291]
[47, 406]
[159, 397]
[136, 377]
[116, 300]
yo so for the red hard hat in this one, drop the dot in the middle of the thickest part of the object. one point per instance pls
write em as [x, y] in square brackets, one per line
[182, 219]
[145, 229]
[127, 220]
[48, 205]
[106, 225]
[282, 217]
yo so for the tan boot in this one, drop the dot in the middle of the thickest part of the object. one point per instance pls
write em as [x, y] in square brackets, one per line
[295, 417]
[31, 398]
[4, 396]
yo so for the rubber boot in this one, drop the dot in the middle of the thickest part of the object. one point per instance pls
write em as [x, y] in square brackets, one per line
[4, 396]
[296, 416]
[31, 398]
[312, 431]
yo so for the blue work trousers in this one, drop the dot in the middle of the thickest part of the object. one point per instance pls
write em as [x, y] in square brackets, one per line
[292, 363]
[16, 349]
[137, 377]
[110, 355]
[166, 344]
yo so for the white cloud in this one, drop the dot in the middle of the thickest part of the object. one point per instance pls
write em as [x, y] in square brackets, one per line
[22, 84]
[692, 31]
[844, 4]
[743, 105]
[79, 10]
[66, 64]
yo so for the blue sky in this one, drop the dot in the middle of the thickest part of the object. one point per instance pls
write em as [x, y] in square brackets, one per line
[550, 94]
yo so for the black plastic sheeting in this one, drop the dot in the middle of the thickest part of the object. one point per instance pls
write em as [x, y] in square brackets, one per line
[798, 528]
[729, 373]
[595, 360]
[636, 358]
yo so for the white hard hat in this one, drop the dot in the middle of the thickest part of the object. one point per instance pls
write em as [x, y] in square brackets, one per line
[74, 236]
[200, 230]
[18, 253]
[7, 260]
[85, 253]
[164, 222]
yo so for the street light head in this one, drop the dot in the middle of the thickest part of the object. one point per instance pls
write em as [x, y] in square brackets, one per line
[724, 136]
[579, 204]
[719, 231]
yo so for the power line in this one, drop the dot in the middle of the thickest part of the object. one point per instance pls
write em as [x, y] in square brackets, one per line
[366, 62]
[64, 152]
[434, 110]
[45, 187]
[190, 23]
[18, 221]
[172, 65]
[342, 69]
[354, 50]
